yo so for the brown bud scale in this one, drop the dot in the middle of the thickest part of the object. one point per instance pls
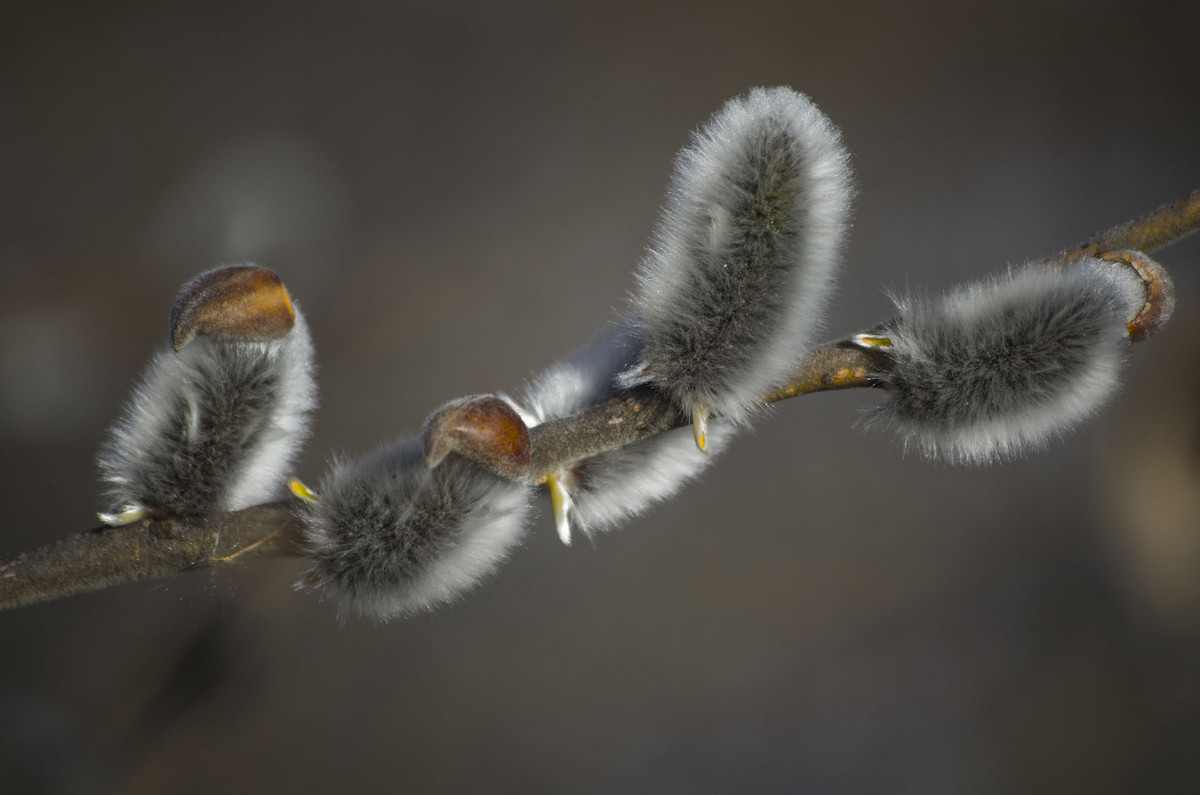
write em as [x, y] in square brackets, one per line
[483, 429]
[243, 302]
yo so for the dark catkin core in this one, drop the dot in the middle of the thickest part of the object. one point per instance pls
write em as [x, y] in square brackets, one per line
[743, 259]
[222, 411]
[739, 289]
[383, 522]
[954, 371]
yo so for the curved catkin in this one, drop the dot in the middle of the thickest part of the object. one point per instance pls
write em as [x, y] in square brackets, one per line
[213, 427]
[605, 490]
[1001, 367]
[392, 537]
[732, 291]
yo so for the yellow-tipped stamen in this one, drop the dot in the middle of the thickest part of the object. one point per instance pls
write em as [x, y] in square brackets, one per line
[303, 492]
[125, 514]
[561, 501]
[700, 427]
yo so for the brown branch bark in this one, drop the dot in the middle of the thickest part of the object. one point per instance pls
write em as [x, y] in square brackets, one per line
[642, 412]
[145, 550]
[1168, 224]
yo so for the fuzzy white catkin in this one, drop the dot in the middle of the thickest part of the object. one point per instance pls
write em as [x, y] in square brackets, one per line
[610, 488]
[742, 264]
[999, 368]
[213, 427]
[391, 537]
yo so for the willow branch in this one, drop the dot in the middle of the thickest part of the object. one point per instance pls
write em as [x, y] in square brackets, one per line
[1168, 224]
[154, 549]
[642, 412]
[145, 550]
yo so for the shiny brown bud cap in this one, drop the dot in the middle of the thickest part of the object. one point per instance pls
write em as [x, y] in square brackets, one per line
[483, 429]
[241, 302]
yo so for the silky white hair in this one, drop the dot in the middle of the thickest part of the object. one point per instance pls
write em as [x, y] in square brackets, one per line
[607, 489]
[213, 427]
[742, 264]
[392, 537]
[1001, 367]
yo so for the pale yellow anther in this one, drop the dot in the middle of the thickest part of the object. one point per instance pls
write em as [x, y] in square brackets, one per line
[872, 341]
[123, 515]
[560, 500]
[700, 427]
[303, 492]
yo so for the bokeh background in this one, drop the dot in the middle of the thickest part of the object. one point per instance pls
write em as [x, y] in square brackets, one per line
[457, 193]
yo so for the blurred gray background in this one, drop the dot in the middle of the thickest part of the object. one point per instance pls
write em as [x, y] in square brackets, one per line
[456, 193]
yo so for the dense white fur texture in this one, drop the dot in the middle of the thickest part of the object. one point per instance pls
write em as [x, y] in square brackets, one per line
[1001, 367]
[742, 264]
[391, 537]
[214, 427]
[608, 489]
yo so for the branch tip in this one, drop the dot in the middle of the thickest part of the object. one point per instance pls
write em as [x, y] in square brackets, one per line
[1160, 293]
[1162, 227]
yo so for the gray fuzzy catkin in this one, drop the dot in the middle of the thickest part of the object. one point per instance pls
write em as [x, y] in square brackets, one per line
[391, 537]
[732, 290]
[612, 487]
[1001, 367]
[213, 427]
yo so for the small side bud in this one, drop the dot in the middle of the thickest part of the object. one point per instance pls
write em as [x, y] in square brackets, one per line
[243, 302]
[483, 429]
